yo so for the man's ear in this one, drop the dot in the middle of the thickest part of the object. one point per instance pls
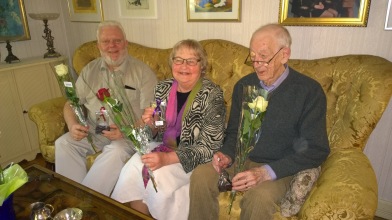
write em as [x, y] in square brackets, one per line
[286, 54]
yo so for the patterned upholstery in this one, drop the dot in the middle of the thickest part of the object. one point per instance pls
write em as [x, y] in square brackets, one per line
[358, 89]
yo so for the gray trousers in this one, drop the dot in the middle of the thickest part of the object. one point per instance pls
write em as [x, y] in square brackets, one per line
[70, 160]
[258, 202]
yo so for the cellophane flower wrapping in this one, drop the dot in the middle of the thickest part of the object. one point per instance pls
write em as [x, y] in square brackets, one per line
[67, 85]
[121, 113]
[254, 105]
[12, 178]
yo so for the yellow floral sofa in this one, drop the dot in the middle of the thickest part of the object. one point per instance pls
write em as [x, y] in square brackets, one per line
[358, 89]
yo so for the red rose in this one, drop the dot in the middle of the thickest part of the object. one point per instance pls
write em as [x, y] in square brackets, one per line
[102, 93]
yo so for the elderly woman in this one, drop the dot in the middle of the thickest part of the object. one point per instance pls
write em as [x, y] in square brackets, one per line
[195, 118]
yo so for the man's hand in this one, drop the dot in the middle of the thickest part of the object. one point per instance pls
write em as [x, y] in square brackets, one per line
[78, 132]
[113, 134]
[250, 178]
[220, 161]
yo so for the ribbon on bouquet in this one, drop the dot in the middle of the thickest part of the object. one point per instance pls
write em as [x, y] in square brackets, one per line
[157, 109]
[145, 174]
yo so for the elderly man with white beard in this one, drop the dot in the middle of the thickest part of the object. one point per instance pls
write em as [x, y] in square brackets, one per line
[72, 148]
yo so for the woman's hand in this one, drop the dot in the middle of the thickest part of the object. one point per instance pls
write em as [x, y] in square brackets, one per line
[113, 134]
[156, 160]
[147, 117]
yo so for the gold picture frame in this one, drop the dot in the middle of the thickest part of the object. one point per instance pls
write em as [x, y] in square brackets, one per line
[388, 18]
[325, 13]
[85, 10]
[213, 10]
[15, 27]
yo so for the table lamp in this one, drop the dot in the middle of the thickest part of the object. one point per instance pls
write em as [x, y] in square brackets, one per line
[45, 17]
[11, 58]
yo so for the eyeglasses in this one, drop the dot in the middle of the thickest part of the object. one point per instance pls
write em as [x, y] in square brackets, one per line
[189, 61]
[250, 62]
[114, 41]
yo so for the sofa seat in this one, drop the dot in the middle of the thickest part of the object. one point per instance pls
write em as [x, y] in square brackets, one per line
[358, 89]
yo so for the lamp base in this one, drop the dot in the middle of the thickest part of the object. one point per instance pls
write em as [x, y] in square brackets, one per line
[11, 59]
[51, 54]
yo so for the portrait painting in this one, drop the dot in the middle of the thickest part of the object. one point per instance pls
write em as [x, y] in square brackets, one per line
[324, 12]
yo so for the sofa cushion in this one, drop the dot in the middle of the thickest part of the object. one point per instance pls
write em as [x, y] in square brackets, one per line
[300, 186]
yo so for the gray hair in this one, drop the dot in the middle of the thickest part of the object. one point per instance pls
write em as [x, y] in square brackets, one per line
[196, 47]
[282, 35]
[110, 24]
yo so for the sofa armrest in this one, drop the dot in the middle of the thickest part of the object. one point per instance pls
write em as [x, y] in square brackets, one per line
[48, 116]
[346, 187]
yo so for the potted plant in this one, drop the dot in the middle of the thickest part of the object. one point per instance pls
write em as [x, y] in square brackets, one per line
[11, 178]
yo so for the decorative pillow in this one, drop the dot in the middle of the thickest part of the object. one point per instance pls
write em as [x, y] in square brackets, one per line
[300, 186]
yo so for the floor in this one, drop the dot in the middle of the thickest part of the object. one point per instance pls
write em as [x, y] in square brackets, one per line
[40, 160]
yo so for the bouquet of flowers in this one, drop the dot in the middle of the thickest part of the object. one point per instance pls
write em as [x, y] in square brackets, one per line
[67, 86]
[120, 111]
[254, 106]
[11, 179]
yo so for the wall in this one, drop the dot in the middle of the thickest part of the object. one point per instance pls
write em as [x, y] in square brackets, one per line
[171, 26]
[379, 152]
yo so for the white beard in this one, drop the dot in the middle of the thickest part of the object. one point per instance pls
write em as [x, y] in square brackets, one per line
[114, 63]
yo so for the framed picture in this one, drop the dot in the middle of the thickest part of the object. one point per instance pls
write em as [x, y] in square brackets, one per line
[13, 21]
[85, 10]
[213, 10]
[324, 12]
[388, 19]
[138, 9]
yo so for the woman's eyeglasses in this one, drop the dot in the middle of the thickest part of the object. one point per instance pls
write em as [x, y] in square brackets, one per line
[189, 61]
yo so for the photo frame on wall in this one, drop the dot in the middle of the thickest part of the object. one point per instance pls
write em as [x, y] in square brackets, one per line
[138, 9]
[85, 10]
[213, 10]
[324, 12]
[14, 26]
[388, 19]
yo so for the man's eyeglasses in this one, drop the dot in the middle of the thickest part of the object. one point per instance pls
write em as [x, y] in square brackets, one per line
[189, 61]
[114, 41]
[250, 62]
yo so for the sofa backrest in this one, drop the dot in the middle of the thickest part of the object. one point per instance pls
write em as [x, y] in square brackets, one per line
[225, 62]
[358, 87]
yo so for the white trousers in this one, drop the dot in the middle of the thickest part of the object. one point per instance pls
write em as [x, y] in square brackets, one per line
[172, 199]
[70, 160]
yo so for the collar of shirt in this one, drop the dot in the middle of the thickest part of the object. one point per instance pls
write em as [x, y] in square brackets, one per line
[122, 68]
[278, 81]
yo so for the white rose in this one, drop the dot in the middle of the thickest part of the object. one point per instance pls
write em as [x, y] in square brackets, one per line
[260, 103]
[61, 70]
